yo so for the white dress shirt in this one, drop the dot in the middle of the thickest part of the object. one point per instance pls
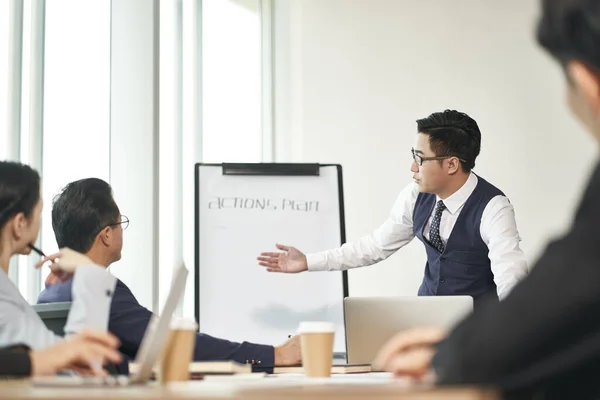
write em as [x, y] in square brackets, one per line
[92, 293]
[498, 231]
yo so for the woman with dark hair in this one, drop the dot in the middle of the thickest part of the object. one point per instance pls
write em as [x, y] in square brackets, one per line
[20, 214]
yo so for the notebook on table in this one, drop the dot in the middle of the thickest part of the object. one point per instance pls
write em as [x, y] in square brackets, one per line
[335, 369]
[201, 368]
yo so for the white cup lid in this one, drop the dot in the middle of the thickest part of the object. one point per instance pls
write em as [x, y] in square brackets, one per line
[316, 327]
[184, 324]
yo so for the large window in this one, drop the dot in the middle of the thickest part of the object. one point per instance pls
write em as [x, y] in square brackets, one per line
[4, 24]
[231, 80]
[211, 103]
[228, 60]
[76, 99]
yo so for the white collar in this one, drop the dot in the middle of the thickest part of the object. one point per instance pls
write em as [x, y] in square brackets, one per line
[455, 201]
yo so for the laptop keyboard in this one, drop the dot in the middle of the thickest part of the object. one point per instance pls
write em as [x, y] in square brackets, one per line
[78, 381]
[117, 380]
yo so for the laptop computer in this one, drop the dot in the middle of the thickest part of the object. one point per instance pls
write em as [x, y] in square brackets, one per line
[371, 321]
[148, 353]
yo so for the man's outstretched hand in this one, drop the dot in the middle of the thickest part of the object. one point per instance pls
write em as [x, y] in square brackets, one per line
[290, 260]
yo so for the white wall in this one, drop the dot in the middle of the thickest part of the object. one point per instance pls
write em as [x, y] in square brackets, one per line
[352, 76]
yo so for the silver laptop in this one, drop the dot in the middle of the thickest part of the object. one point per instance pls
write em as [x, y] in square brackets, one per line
[371, 321]
[148, 353]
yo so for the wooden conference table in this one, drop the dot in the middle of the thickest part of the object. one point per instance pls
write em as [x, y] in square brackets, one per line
[269, 388]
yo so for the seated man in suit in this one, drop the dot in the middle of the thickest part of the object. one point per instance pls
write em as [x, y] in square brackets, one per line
[543, 340]
[86, 218]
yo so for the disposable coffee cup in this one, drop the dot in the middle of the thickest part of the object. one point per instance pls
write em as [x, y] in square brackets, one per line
[178, 351]
[316, 341]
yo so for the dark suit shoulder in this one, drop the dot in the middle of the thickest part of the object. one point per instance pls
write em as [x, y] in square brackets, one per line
[122, 286]
[556, 307]
[123, 295]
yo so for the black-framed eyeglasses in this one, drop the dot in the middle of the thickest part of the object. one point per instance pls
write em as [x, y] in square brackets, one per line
[419, 160]
[124, 223]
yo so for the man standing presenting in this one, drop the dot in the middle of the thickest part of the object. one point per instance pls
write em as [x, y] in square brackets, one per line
[542, 341]
[466, 224]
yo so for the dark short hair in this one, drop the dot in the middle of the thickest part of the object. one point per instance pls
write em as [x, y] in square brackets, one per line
[81, 211]
[19, 190]
[452, 133]
[570, 30]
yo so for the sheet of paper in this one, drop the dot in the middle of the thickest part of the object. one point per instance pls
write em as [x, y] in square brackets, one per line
[335, 378]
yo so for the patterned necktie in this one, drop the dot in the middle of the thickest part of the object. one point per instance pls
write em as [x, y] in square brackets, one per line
[434, 230]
